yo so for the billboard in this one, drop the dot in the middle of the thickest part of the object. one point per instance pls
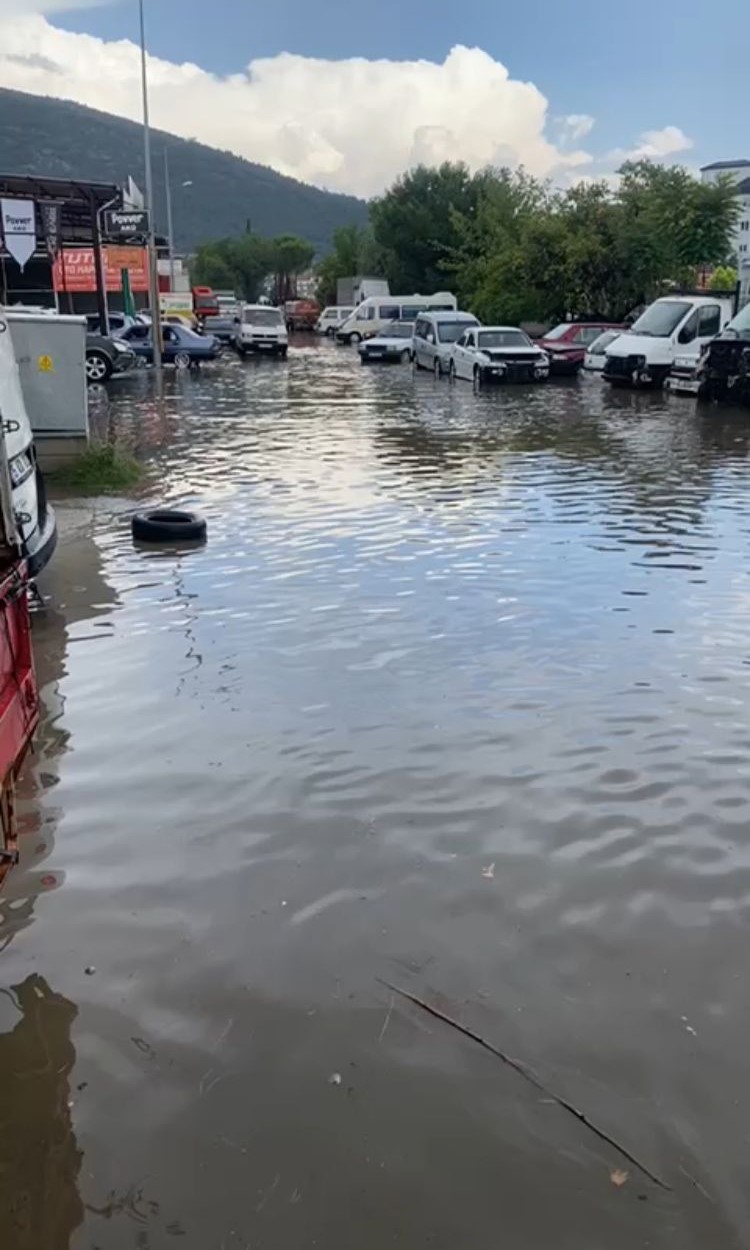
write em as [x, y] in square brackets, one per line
[123, 223]
[73, 269]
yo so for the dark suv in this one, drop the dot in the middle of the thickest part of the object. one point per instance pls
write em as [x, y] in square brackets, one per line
[724, 370]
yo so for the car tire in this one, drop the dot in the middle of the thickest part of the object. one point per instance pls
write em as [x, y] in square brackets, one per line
[477, 377]
[356, 337]
[99, 367]
[182, 360]
[282, 352]
[452, 371]
[405, 357]
[168, 525]
[437, 368]
[330, 332]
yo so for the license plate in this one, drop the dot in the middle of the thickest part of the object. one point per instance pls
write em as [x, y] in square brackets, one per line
[20, 468]
[376, 351]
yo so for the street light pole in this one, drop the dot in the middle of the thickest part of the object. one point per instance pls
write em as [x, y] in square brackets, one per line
[170, 227]
[152, 268]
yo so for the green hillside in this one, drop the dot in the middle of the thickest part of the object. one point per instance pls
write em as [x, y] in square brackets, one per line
[64, 140]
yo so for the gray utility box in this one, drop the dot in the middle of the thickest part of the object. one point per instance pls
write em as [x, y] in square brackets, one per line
[51, 355]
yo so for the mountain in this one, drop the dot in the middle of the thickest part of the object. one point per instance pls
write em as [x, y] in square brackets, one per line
[64, 140]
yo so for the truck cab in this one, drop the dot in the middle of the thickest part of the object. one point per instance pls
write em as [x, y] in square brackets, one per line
[724, 370]
[678, 325]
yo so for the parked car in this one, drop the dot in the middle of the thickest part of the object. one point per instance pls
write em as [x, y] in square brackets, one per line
[118, 321]
[181, 347]
[566, 344]
[394, 345]
[374, 313]
[106, 356]
[301, 314]
[262, 329]
[593, 361]
[723, 373]
[331, 318]
[675, 325]
[434, 336]
[497, 354]
[223, 327]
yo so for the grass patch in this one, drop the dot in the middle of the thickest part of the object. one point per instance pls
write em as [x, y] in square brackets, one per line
[99, 470]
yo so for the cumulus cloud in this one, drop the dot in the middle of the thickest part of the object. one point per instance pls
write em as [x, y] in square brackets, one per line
[657, 145]
[351, 125]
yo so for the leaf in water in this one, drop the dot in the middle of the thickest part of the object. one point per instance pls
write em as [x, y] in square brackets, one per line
[489, 872]
[618, 1177]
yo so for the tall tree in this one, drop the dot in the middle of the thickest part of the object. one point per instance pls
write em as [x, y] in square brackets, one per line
[289, 256]
[241, 264]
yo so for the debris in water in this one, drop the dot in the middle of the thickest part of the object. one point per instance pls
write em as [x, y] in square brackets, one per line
[527, 1075]
[489, 872]
[90, 970]
[618, 1177]
[334, 1078]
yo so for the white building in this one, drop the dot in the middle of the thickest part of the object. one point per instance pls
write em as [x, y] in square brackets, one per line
[739, 171]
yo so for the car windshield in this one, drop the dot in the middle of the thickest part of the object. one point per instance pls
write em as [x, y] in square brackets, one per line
[262, 316]
[600, 344]
[741, 323]
[450, 331]
[558, 331]
[502, 338]
[661, 318]
[397, 330]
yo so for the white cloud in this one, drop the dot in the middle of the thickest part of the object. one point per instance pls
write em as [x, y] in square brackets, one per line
[350, 125]
[574, 127]
[655, 144]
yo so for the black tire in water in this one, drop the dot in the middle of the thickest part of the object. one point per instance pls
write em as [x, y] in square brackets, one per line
[168, 525]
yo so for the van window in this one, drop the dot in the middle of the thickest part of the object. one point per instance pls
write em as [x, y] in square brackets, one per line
[365, 314]
[662, 319]
[690, 329]
[709, 321]
[449, 331]
[410, 314]
[420, 329]
[262, 316]
[387, 312]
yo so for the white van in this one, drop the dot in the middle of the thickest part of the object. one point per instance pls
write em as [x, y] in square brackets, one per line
[332, 317]
[434, 336]
[373, 314]
[34, 516]
[261, 328]
[675, 325]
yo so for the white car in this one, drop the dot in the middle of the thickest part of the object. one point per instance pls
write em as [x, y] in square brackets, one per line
[497, 354]
[331, 318]
[593, 361]
[262, 328]
[392, 346]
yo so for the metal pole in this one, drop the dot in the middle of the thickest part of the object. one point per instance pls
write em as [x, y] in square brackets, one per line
[152, 270]
[99, 271]
[170, 227]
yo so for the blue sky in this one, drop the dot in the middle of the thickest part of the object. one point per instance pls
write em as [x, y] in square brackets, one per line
[667, 80]
[644, 61]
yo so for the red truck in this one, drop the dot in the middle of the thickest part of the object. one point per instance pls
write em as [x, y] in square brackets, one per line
[301, 314]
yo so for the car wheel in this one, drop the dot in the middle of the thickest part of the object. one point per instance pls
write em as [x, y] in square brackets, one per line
[405, 356]
[477, 377]
[168, 525]
[329, 332]
[356, 337]
[99, 367]
[437, 368]
[182, 360]
[452, 371]
[283, 352]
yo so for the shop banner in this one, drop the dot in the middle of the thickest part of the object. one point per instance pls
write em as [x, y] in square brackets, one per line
[50, 214]
[73, 269]
[19, 229]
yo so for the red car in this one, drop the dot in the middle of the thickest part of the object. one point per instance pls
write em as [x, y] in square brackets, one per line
[566, 344]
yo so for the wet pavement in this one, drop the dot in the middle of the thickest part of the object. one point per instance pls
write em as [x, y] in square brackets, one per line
[456, 697]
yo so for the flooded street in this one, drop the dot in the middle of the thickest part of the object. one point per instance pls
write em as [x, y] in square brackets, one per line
[456, 697]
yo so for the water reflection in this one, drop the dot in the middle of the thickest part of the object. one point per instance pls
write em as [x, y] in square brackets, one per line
[40, 1206]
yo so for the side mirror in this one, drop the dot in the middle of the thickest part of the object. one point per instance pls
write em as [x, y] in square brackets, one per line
[687, 334]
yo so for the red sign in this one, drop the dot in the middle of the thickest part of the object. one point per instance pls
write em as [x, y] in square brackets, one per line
[73, 269]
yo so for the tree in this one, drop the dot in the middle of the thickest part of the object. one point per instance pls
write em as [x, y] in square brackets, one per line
[414, 223]
[354, 252]
[723, 278]
[240, 264]
[289, 256]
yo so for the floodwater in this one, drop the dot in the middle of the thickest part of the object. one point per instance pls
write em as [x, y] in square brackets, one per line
[457, 697]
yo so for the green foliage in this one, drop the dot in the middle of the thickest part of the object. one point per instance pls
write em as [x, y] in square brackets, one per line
[723, 278]
[414, 223]
[65, 140]
[241, 264]
[288, 255]
[354, 252]
[100, 470]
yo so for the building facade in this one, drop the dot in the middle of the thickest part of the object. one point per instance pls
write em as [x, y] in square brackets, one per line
[739, 171]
